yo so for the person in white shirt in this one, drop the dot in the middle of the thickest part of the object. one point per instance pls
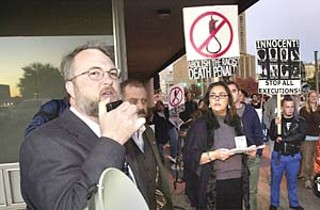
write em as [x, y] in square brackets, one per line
[61, 161]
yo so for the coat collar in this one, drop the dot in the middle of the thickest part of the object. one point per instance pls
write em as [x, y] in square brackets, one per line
[76, 127]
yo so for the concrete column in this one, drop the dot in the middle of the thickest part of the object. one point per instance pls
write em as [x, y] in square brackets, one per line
[120, 49]
[150, 92]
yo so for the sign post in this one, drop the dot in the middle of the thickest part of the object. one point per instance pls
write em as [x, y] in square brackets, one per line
[279, 113]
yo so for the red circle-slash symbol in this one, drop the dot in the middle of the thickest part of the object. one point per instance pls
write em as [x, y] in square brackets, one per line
[203, 44]
[175, 96]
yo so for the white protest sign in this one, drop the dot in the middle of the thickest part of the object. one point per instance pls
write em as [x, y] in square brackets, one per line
[176, 96]
[211, 40]
[211, 32]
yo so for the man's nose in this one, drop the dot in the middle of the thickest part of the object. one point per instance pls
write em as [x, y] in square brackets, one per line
[107, 79]
[139, 104]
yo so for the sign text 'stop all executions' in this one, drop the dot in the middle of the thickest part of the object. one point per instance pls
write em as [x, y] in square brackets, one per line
[279, 66]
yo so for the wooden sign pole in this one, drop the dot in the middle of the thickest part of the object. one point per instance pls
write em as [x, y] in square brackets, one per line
[279, 112]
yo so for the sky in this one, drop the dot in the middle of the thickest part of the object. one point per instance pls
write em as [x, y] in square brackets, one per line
[18, 52]
[266, 19]
[285, 19]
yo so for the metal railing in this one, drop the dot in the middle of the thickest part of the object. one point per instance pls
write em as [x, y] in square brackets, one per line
[10, 196]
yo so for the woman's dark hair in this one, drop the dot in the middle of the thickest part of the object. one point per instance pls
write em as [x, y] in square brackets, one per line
[199, 102]
[231, 117]
[231, 109]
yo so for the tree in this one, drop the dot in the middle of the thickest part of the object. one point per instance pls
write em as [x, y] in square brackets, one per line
[41, 81]
[248, 84]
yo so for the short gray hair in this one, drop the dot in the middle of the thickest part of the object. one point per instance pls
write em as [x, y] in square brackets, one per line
[67, 61]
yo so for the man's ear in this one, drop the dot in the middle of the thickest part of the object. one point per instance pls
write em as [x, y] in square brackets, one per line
[70, 88]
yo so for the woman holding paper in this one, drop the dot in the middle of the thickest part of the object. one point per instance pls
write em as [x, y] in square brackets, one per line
[216, 177]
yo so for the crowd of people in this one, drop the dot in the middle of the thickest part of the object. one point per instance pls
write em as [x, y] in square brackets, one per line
[70, 141]
[293, 148]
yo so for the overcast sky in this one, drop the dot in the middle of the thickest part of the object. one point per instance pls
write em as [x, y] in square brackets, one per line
[285, 19]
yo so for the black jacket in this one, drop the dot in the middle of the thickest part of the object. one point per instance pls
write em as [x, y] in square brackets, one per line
[197, 176]
[292, 136]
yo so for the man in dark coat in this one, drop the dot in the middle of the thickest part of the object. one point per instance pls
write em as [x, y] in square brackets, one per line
[61, 162]
[142, 152]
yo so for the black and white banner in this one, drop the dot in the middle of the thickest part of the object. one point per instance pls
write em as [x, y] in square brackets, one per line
[279, 66]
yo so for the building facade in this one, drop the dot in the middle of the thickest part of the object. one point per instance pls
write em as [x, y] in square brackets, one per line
[4, 92]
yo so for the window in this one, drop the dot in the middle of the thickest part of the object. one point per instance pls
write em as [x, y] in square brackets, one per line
[29, 77]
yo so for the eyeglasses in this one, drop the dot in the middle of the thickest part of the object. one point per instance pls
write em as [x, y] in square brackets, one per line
[222, 96]
[97, 74]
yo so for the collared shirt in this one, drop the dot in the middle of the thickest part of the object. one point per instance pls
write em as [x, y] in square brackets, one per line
[138, 139]
[90, 123]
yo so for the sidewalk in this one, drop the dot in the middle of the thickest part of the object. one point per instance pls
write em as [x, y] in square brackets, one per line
[307, 199]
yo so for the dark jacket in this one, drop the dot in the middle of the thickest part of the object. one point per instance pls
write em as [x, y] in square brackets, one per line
[312, 120]
[144, 184]
[162, 126]
[190, 108]
[61, 162]
[197, 176]
[252, 127]
[292, 137]
[47, 112]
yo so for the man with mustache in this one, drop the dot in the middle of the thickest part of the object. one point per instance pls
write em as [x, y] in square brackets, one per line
[61, 161]
[142, 152]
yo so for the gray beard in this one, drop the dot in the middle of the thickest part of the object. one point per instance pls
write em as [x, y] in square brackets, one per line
[92, 109]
